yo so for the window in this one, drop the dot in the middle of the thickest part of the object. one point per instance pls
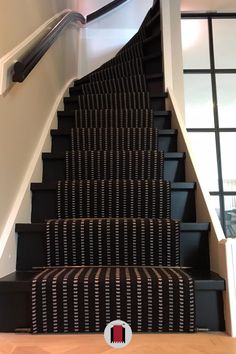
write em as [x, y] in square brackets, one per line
[209, 53]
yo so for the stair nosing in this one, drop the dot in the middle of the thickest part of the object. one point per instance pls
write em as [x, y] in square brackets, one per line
[76, 97]
[67, 131]
[53, 185]
[167, 155]
[72, 113]
[11, 284]
[40, 227]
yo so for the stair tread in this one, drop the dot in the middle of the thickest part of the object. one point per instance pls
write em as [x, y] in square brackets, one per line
[152, 37]
[67, 131]
[75, 98]
[151, 56]
[40, 227]
[21, 280]
[57, 156]
[53, 185]
[72, 113]
[157, 75]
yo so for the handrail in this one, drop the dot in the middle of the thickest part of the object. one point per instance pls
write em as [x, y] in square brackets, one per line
[25, 65]
[105, 9]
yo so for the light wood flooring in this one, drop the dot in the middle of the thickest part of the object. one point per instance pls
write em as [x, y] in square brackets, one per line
[141, 344]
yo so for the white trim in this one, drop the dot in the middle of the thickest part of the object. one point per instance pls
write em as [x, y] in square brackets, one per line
[11, 57]
[222, 250]
[230, 276]
[207, 210]
[9, 225]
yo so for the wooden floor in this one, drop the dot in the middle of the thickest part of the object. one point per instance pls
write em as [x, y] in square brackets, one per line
[141, 344]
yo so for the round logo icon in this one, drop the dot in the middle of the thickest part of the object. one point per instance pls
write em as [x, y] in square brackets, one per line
[118, 334]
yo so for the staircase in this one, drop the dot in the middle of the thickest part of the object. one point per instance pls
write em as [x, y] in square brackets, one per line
[114, 232]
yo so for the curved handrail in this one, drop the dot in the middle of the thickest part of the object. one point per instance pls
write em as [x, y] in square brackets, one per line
[105, 9]
[25, 65]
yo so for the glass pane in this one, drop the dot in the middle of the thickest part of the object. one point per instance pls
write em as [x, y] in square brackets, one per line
[195, 43]
[198, 101]
[216, 204]
[224, 43]
[206, 162]
[226, 97]
[230, 215]
[228, 148]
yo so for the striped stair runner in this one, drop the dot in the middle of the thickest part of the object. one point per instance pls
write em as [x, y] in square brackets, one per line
[114, 139]
[113, 198]
[113, 252]
[146, 242]
[129, 100]
[113, 118]
[109, 164]
[150, 299]
[131, 67]
[123, 84]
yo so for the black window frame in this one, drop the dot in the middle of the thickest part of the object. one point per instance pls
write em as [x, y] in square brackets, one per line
[212, 71]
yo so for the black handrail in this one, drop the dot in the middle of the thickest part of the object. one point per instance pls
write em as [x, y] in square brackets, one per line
[105, 9]
[25, 65]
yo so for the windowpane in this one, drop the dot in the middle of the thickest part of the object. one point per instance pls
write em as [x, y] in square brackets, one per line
[224, 43]
[226, 97]
[198, 101]
[216, 204]
[206, 162]
[230, 215]
[228, 148]
[195, 44]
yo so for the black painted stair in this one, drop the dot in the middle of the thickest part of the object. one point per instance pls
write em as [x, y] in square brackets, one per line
[122, 98]
[193, 245]
[15, 301]
[44, 201]
[54, 166]
[68, 120]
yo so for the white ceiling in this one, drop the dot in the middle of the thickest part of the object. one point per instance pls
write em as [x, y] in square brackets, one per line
[208, 5]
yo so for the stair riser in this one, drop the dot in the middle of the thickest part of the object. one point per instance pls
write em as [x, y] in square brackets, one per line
[154, 86]
[153, 27]
[44, 205]
[153, 46]
[160, 122]
[62, 143]
[152, 66]
[155, 104]
[195, 242]
[54, 169]
[15, 309]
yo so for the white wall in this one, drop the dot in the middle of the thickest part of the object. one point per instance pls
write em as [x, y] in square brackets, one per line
[102, 38]
[27, 111]
[208, 5]
[18, 19]
[173, 64]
